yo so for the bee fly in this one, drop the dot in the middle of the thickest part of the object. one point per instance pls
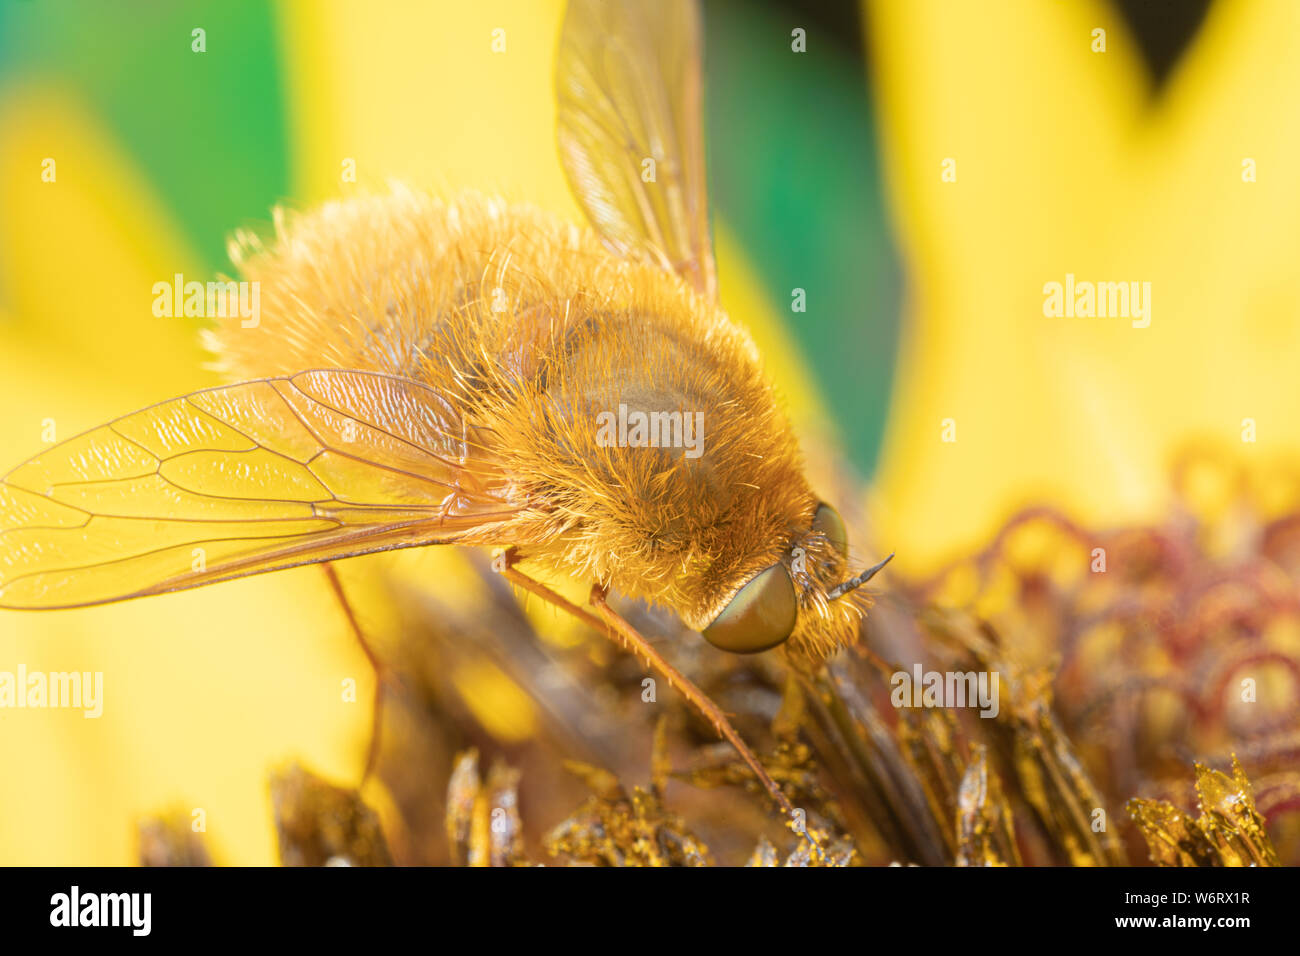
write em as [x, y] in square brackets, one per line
[435, 371]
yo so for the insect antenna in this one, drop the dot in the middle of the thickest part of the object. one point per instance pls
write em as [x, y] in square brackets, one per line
[852, 584]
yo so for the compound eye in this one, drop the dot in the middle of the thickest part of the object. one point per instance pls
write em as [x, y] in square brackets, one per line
[760, 616]
[828, 521]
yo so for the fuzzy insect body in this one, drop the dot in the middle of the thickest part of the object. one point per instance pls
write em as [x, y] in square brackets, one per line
[463, 370]
[533, 330]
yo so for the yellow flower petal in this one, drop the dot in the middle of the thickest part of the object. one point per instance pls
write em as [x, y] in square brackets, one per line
[1062, 170]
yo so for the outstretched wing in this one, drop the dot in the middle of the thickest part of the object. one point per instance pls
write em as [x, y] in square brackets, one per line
[239, 480]
[629, 91]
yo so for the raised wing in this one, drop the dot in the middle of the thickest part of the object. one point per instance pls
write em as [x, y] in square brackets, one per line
[239, 480]
[629, 91]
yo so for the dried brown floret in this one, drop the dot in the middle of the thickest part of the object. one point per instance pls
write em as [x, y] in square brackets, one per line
[1229, 832]
[170, 839]
[506, 842]
[1048, 771]
[985, 833]
[626, 830]
[1173, 838]
[837, 853]
[869, 762]
[931, 747]
[484, 826]
[764, 854]
[323, 825]
[462, 796]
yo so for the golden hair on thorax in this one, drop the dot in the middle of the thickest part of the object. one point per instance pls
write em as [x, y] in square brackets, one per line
[533, 328]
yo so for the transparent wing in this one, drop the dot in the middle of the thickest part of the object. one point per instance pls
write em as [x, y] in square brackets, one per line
[629, 90]
[239, 480]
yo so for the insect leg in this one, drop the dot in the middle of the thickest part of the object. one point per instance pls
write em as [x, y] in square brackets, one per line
[631, 640]
[622, 633]
[377, 714]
